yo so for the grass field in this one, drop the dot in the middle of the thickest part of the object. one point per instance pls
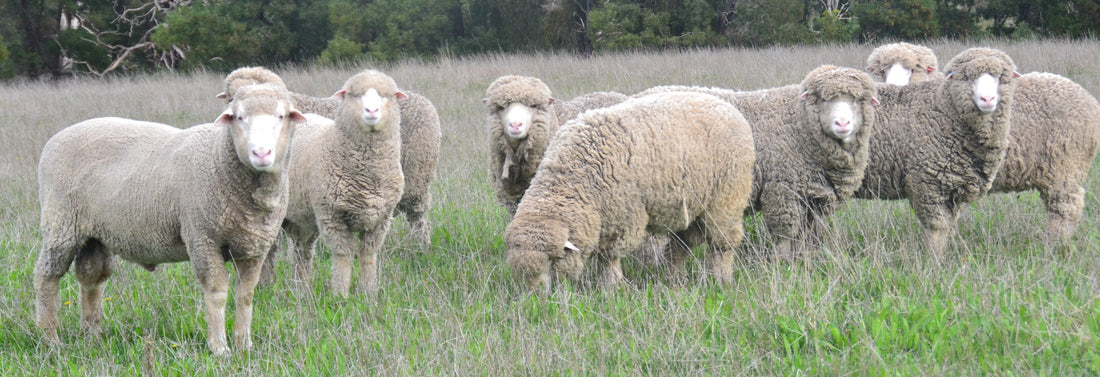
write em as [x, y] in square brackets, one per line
[1000, 304]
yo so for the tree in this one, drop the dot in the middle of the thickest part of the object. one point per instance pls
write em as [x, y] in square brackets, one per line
[897, 19]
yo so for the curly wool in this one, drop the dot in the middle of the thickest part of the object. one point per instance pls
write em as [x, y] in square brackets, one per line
[801, 172]
[513, 163]
[570, 109]
[935, 148]
[919, 60]
[678, 162]
[245, 76]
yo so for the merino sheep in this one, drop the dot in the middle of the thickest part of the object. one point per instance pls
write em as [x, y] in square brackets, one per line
[940, 143]
[346, 179]
[151, 193]
[903, 63]
[566, 110]
[1051, 145]
[420, 140]
[670, 162]
[811, 149]
[521, 124]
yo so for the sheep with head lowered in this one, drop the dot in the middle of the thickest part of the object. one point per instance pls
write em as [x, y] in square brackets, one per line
[941, 143]
[669, 162]
[346, 180]
[151, 193]
[420, 141]
[1051, 145]
[811, 149]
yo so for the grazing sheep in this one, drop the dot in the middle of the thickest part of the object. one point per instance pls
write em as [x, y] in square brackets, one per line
[346, 180]
[940, 143]
[811, 149]
[670, 163]
[521, 124]
[420, 140]
[566, 110]
[903, 63]
[151, 193]
[1051, 145]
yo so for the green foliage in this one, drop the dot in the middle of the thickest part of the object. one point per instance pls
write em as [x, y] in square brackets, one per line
[897, 19]
[213, 36]
[80, 45]
[618, 26]
[340, 50]
[832, 29]
[760, 23]
[5, 65]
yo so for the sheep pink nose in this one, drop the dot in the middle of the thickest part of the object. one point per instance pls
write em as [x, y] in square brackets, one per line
[843, 123]
[261, 152]
[988, 99]
[515, 124]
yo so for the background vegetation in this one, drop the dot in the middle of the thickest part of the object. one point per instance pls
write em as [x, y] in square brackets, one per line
[871, 304]
[47, 38]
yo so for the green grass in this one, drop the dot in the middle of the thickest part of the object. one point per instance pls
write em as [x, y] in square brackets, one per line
[1001, 303]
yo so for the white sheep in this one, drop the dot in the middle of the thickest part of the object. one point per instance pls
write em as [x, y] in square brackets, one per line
[903, 63]
[346, 180]
[670, 162]
[811, 149]
[1051, 145]
[940, 143]
[566, 110]
[420, 140]
[151, 193]
[521, 124]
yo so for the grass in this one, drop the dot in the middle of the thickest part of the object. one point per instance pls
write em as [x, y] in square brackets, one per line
[1000, 304]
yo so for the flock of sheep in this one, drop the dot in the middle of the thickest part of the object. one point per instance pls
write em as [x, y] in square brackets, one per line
[594, 177]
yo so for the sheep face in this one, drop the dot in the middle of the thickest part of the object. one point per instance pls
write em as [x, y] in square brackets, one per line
[985, 92]
[840, 117]
[539, 252]
[517, 119]
[260, 130]
[373, 105]
[898, 74]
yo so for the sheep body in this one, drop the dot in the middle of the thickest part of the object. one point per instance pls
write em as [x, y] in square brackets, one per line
[567, 110]
[803, 172]
[670, 162]
[1051, 144]
[421, 136]
[151, 193]
[346, 181]
[936, 147]
[513, 161]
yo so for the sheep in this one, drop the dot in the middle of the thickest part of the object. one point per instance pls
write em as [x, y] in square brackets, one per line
[940, 143]
[420, 140]
[670, 162]
[903, 63]
[567, 110]
[1051, 145]
[811, 149]
[346, 179]
[521, 124]
[151, 193]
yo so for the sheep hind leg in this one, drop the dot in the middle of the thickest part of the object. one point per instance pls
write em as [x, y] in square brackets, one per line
[53, 262]
[723, 232]
[1064, 210]
[420, 228]
[302, 242]
[369, 247]
[248, 274]
[610, 274]
[93, 265]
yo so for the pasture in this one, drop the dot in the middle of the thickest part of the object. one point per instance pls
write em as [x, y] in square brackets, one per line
[872, 303]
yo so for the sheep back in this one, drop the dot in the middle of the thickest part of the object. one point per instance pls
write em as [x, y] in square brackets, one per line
[567, 110]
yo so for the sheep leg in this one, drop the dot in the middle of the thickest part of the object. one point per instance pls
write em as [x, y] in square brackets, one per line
[303, 239]
[53, 262]
[610, 271]
[420, 228]
[267, 275]
[341, 243]
[369, 246]
[248, 274]
[939, 224]
[93, 265]
[210, 270]
[1064, 208]
[724, 232]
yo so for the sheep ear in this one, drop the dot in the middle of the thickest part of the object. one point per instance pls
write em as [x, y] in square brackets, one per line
[569, 246]
[874, 101]
[340, 94]
[949, 75]
[805, 95]
[869, 69]
[222, 95]
[1015, 74]
[929, 69]
[485, 101]
[225, 118]
[297, 117]
[552, 100]
[400, 95]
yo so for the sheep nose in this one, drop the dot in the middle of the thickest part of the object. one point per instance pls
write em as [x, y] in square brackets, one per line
[843, 123]
[371, 111]
[515, 124]
[989, 99]
[261, 152]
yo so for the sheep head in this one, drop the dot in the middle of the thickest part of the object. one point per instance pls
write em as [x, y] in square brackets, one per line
[371, 98]
[841, 98]
[987, 76]
[245, 76]
[261, 120]
[902, 63]
[516, 102]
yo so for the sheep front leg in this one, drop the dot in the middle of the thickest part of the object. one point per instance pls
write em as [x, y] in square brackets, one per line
[939, 224]
[1064, 207]
[212, 275]
[248, 275]
[610, 271]
[341, 243]
[370, 245]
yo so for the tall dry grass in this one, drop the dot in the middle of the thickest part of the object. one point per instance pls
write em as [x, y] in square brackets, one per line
[1001, 303]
